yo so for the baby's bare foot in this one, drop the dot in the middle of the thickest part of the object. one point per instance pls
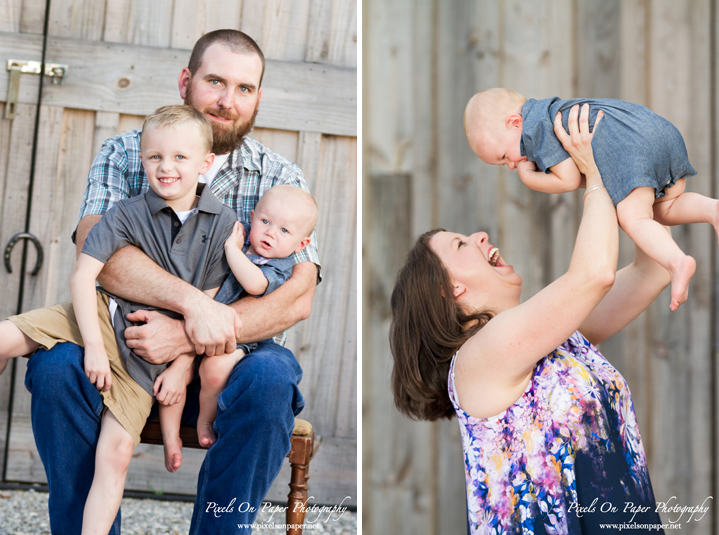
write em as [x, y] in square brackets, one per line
[205, 435]
[715, 220]
[681, 272]
[173, 453]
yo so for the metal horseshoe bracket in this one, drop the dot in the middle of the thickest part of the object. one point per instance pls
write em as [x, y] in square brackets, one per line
[24, 236]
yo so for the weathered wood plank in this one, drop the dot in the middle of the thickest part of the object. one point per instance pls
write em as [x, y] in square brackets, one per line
[278, 26]
[138, 22]
[398, 455]
[12, 220]
[332, 36]
[17, 138]
[193, 18]
[680, 91]
[308, 156]
[106, 126]
[130, 122]
[64, 149]
[284, 29]
[296, 96]
[322, 349]
[32, 18]
[65, 145]
[10, 14]
[81, 19]
[24, 47]
[281, 141]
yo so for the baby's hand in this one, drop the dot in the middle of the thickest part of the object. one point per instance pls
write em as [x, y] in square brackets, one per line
[525, 167]
[169, 386]
[97, 368]
[237, 237]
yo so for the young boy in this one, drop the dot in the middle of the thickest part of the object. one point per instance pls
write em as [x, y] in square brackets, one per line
[641, 157]
[184, 233]
[175, 145]
[261, 261]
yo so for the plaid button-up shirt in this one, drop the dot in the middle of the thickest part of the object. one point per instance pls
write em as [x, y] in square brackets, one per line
[117, 173]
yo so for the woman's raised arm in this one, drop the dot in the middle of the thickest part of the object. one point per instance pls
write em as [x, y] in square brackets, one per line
[509, 346]
[636, 287]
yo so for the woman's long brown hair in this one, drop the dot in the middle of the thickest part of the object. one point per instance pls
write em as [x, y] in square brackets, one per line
[427, 329]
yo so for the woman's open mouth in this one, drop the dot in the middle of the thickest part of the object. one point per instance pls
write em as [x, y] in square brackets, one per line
[493, 257]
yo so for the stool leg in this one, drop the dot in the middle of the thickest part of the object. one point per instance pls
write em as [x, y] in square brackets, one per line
[297, 498]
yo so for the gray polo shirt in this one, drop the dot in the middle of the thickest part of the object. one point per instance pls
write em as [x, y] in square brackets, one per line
[193, 251]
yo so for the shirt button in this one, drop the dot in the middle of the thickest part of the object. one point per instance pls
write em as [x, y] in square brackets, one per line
[178, 240]
[176, 224]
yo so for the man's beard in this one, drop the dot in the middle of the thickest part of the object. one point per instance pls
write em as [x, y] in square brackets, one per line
[225, 138]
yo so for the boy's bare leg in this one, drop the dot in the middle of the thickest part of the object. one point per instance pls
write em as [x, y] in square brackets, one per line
[680, 208]
[636, 216]
[170, 421]
[214, 372]
[13, 343]
[114, 451]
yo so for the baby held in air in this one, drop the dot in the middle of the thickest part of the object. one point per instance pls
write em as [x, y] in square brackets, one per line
[641, 156]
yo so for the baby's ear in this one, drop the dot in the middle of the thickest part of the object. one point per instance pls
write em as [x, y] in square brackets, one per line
[514, 121]
[304, 243]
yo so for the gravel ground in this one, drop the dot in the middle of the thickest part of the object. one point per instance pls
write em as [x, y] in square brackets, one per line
[25, 513]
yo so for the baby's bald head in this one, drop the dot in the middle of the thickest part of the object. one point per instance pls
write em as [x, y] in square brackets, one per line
[487, 110]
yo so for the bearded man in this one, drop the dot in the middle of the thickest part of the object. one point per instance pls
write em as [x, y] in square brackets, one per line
[256, 410]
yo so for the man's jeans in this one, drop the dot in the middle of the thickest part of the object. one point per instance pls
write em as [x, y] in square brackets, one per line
[255, 417]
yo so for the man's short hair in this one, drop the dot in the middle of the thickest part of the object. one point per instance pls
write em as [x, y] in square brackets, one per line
[237, 41]
[169, 116]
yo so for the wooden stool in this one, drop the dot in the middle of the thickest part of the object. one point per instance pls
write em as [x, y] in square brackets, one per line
[301, 452]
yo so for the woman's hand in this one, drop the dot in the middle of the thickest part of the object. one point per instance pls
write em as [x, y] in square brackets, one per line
[578, 143]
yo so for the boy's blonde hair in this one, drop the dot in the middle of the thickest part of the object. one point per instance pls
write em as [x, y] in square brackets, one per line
[170, 116]
[299, 197]
[487, 110]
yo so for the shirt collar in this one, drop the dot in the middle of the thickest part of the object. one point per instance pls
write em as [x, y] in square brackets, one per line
[207, 203]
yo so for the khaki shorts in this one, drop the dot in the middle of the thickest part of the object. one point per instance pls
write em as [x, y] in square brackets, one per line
[127, 400]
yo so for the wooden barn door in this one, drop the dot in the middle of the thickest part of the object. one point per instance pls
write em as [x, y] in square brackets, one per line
[123, 58]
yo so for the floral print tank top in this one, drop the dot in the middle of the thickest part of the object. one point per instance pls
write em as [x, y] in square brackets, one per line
[566, 458]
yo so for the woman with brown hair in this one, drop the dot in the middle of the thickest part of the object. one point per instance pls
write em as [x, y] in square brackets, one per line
[551, 443]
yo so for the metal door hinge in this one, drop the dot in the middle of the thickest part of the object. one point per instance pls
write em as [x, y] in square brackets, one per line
[16, 67]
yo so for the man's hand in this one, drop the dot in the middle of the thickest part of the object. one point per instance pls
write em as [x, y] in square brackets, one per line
[160, 339]
[212, 327]
[97, 368]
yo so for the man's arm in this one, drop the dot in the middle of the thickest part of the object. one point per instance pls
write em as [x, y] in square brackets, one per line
[267, 316]
[131, 275]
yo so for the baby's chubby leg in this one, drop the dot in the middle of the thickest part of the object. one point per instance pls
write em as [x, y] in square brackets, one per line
[170, 389]
[170, 420]
[680, 208]
[112, 459]
[13, 343]
[636, 216]
[214, 372]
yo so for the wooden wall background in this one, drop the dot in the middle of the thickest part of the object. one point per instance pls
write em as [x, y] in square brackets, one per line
[423, 59]
[124, 58]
